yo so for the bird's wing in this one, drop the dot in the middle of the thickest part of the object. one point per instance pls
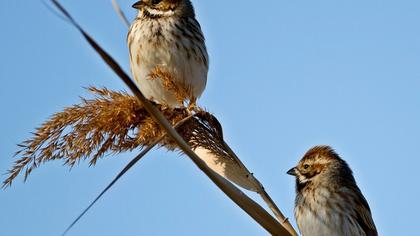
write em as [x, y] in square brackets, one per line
[364, 215]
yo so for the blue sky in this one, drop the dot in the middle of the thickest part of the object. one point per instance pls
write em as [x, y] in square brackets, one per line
[284, 76]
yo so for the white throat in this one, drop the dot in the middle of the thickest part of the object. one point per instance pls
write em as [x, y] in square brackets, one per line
[157, 12]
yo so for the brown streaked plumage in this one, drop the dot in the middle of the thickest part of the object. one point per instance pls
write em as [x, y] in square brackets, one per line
[328, 200]
[166, 37]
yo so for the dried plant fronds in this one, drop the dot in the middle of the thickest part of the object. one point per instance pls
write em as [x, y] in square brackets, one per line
[111, 122]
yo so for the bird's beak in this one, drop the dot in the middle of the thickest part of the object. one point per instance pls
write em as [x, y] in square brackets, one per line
[292, 171]
[138, 5]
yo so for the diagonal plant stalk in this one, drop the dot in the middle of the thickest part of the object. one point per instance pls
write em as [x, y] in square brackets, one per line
[120, 13]
[264, 195]
[247, 204]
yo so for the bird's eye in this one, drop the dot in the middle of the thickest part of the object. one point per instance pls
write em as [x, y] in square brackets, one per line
[306, 166]
[156, 1]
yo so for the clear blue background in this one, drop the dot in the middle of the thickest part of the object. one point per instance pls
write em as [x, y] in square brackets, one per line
[285, 75]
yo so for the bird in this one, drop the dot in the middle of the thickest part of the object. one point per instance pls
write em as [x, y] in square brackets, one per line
[328, 201]
[168, 54]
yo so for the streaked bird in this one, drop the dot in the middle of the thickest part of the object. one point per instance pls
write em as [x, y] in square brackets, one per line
[168, 55]
[328, 201]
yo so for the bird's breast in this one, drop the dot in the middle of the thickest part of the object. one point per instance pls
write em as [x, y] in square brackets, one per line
[164, 44]
[321, 212]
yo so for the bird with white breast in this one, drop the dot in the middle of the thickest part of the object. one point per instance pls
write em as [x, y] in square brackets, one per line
[328, 200]
[168, 55]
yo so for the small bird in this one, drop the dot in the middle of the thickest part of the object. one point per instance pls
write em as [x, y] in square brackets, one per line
[168, 55]
[328, 201]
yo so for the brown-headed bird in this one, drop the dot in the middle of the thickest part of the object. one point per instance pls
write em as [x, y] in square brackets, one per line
[328, 201]
[165, 37]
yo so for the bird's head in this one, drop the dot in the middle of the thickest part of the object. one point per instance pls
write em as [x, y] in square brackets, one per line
[164, 8]
[317, 165]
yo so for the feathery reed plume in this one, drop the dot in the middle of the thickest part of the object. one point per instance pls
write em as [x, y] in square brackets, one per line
[115, 122]
[111, 122]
